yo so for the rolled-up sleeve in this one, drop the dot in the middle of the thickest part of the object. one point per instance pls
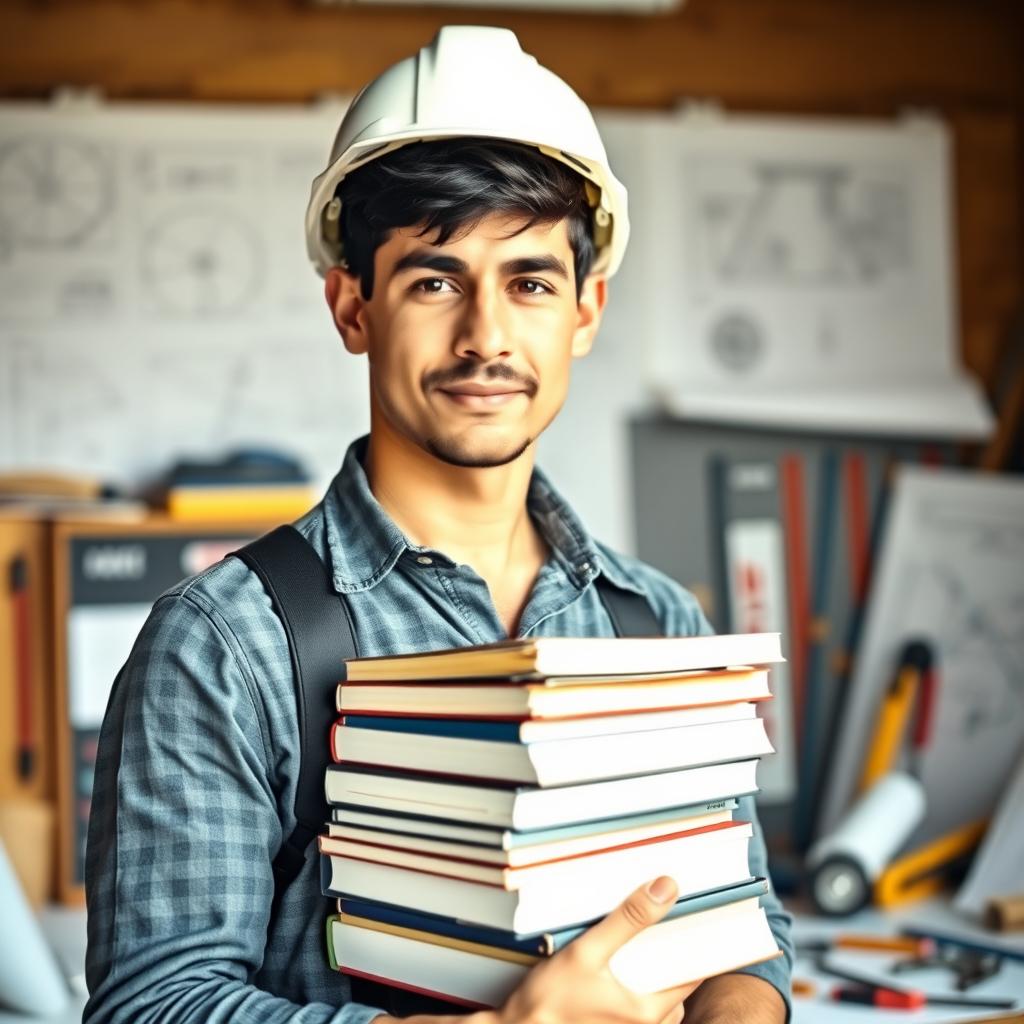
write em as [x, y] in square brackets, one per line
[184, 826]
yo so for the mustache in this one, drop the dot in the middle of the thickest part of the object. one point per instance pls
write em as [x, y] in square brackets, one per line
[487, 374]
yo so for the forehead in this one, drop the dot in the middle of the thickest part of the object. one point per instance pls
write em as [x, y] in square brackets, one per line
[496, 236]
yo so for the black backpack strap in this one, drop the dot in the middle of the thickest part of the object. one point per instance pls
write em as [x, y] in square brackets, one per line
[631, 614]
[318, 624]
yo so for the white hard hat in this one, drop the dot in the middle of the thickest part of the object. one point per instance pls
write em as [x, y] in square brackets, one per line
[475, 82]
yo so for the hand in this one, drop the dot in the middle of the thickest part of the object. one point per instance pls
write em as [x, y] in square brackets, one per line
[576, 985]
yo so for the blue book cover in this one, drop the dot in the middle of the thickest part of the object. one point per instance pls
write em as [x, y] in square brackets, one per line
[546, 943]
[496, 732]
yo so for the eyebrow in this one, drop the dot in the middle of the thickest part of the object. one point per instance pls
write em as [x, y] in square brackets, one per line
[424, 259]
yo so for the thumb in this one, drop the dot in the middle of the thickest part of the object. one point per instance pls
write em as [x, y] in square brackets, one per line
[642, 908]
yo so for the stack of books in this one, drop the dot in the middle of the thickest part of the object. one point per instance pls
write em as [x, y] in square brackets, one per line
[489, 803]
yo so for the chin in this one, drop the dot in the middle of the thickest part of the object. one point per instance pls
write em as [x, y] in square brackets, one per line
[457, 452]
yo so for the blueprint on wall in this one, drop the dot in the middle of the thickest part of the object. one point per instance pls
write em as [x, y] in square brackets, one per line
[809, 281]
[155, 296]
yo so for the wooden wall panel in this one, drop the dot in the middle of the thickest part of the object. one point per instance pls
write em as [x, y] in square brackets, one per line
[962, 58]
[793, 54]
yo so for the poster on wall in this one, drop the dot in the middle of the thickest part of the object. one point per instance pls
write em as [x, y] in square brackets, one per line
[809, 281]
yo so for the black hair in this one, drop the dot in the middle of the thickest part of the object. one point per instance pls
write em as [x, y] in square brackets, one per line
[448, 186]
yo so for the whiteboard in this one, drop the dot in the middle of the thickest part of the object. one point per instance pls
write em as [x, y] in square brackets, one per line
[155, 296]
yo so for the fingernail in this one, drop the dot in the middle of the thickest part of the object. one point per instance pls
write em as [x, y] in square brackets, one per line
[662, 889]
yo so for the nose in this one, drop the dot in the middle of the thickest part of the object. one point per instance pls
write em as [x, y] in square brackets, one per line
[483, 333]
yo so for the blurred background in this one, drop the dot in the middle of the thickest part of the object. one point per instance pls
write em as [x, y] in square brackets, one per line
[805, 402]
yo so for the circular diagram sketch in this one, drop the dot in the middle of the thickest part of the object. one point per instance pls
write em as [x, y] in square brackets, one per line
[53, 192]
[201, 262]
[737, 342]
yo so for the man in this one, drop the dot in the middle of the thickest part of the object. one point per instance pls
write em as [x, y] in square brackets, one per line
[466, 228]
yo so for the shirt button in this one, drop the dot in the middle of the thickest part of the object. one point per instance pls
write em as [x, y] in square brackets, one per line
[584, 566]
[424, 560]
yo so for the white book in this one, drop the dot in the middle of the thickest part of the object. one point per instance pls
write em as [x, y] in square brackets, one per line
[509, 839]
[670, 953]
[573, 656]
[519, 856]
[555, 762]
[558, 697]
[543, 897]
[530, 807]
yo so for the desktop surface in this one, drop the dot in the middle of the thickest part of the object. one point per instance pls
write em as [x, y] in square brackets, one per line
[65, 930]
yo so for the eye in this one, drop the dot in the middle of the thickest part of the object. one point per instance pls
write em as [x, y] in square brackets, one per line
[531, 286]
[432, 286]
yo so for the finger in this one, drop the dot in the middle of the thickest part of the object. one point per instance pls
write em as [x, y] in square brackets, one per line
[642, 908]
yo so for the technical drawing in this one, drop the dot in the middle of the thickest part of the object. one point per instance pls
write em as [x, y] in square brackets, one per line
[200, 262]
[53, 192]
[768, 222]
[951, 573]
[83, 427]
[737, 342]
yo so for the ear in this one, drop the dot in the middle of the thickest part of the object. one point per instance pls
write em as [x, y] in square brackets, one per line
[348, 308]
[593, 296]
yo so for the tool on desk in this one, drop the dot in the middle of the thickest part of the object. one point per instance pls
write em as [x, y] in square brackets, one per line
[915, 678]
[942, 938]
[843, 866]
[802, 988]
[968, 965]
[19, 589]
[919, 873]
[871, 983]
[871, 995]
[872, 943]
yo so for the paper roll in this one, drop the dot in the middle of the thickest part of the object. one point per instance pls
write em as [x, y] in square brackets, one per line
[843, 866]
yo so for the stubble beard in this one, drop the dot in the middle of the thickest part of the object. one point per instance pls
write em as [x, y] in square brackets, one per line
[454, 453]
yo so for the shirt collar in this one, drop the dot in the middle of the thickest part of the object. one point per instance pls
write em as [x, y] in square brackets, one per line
[365, 543]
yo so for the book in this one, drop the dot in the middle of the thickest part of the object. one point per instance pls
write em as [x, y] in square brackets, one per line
[670, 953]
[542, 730]
[540, 897]
[558, 697]
[528, 657]
[495, 750]
[509, 839]
[531, 807]
[545, 943]
[466, 865]
[613, 834]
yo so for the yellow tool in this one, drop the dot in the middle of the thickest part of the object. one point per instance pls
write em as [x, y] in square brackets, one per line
[916, 875]
[914, 670]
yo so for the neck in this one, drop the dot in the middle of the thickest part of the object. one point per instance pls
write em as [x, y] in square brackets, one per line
[476, 516]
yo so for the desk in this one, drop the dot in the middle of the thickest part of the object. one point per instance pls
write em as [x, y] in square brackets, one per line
[937, 914]
[65, 930]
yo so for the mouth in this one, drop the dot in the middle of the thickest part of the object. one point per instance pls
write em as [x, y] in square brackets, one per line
[471, 397]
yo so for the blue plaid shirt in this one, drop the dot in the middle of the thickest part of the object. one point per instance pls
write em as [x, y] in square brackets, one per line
[198, 761]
